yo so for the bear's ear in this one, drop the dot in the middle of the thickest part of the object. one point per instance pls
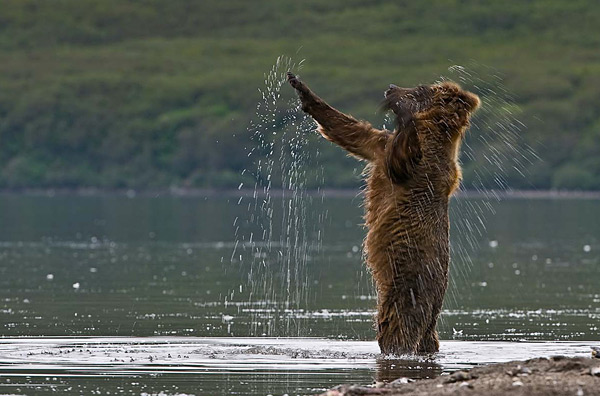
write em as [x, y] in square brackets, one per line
[454, 97]
[470, 100]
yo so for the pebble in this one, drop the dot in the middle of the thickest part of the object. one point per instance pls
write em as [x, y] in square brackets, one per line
[595, 371]
[458, 376]
[521, 371]
[400, 381]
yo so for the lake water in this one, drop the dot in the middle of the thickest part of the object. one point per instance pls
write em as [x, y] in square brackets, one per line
[169, 294]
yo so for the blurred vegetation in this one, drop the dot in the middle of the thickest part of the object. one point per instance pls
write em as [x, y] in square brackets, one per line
[153, 94]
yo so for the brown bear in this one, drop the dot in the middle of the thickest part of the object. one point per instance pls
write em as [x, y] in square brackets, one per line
[411, 174]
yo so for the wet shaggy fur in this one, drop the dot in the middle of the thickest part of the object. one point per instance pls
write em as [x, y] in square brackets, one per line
[411, 174]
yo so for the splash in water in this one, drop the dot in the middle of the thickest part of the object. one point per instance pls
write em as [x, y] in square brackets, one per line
[493, 151]
[280, 233]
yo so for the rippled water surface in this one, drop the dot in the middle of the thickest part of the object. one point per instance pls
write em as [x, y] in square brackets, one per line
[164, 294]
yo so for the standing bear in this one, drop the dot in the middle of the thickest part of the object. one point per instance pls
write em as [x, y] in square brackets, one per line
[411, 174]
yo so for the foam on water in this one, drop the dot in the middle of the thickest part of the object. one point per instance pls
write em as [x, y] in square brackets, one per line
[227, 364]
[136, 355]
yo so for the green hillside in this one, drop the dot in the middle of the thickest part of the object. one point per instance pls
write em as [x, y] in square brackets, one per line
[152, 94]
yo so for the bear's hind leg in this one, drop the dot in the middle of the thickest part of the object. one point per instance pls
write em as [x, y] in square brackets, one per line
[430, 342]
[400, 325]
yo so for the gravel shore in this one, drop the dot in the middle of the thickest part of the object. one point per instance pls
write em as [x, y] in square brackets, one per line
[558, 375]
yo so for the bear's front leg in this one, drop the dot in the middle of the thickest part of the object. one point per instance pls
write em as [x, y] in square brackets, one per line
[358, 137]
[307, 98]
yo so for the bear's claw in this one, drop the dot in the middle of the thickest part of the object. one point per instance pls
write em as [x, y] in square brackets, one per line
[293, 80]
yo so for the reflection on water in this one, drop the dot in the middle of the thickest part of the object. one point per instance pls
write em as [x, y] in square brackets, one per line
[391, 369]
[148, 267]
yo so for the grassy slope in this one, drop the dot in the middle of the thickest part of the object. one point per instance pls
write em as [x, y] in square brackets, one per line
[157, 93]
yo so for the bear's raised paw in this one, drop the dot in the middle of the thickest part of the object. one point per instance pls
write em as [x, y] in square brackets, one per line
[295, 82]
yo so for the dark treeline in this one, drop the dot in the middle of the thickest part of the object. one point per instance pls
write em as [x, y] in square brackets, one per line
[152, 94]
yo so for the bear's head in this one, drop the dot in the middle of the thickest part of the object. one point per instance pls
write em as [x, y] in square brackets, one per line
[446, 100]
[429, 117]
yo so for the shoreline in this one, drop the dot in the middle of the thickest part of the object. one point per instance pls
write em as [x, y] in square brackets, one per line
[278, 193]
[558, 375]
